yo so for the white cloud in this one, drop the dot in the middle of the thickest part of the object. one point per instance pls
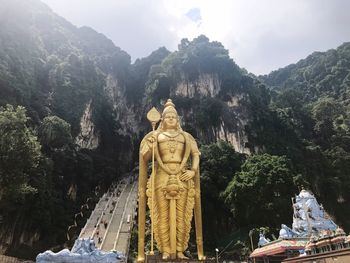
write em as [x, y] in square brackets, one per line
[261, 35]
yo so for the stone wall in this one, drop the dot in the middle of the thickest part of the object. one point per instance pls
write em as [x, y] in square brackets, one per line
[7, 259]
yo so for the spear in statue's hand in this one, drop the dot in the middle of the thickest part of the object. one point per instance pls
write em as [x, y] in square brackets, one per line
[154, 117]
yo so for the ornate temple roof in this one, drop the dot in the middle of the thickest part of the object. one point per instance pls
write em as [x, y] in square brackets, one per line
[279, 247]
[309, 219]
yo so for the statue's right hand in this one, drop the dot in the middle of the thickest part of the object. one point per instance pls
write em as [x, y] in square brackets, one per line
[146, 146]
[144, 149]
[151, 139]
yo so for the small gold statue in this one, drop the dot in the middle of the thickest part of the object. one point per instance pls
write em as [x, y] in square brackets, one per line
[173, 189]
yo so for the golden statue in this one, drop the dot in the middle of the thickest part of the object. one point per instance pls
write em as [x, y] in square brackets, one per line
[173, 189]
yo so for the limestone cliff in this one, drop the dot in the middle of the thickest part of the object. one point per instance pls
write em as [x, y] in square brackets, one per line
[231, 120]
[206, 85]
[124, 113]
[88, 137]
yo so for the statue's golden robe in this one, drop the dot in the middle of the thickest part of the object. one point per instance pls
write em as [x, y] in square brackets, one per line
[173, 190]
[173, 161]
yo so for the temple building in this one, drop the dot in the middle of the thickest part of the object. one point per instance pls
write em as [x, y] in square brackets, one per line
[313, 234]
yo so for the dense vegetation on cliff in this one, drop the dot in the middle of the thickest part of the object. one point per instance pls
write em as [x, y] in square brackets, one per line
[73, 111]
[53, 70]
[312, 98]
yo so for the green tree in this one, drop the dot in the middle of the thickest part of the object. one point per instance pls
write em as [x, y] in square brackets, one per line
[55, 132]
[325, 111]
[219, 162]
[260, 193]
[19, 153]
[202, 56]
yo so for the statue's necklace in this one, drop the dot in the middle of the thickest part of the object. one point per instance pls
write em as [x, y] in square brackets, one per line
[172, 142]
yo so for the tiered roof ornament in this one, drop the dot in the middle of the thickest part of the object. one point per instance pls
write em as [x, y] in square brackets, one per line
[308, 218]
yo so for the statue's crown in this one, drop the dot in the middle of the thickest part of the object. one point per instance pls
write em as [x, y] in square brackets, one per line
[169, 106]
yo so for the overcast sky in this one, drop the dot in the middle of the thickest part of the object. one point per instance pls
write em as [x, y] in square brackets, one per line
[261, 35]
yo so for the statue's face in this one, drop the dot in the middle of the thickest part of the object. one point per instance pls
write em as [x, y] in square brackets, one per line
[170, 120]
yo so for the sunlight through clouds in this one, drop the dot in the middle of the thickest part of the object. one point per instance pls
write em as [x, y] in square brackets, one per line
[260, 35]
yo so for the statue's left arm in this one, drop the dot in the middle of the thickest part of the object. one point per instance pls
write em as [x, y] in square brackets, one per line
[194, 153]
[189, 174]
[197, 205]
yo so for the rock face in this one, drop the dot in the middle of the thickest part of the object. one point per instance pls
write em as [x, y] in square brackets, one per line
[237, 136]
[83, 251]
[205, 85]
[8, 234]
[88, 137]
[230, 126]
[237, 139]
[124, 114]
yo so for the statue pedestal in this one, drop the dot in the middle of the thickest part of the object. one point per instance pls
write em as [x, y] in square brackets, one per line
[158, 259]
